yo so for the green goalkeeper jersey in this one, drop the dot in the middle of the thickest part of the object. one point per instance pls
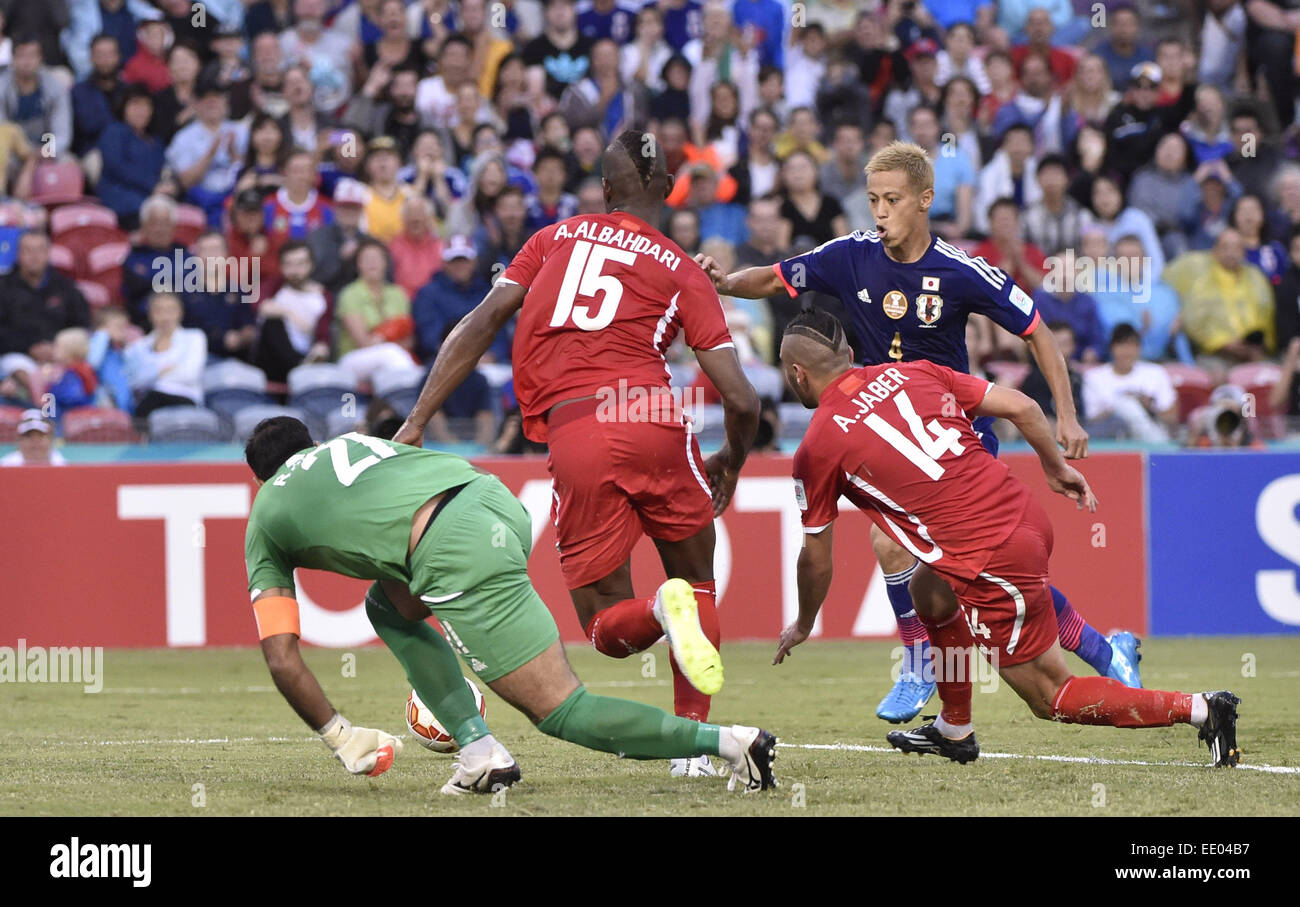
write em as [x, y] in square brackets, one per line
[345, 506]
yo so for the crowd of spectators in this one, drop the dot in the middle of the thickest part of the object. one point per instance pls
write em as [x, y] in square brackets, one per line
[1134, 166]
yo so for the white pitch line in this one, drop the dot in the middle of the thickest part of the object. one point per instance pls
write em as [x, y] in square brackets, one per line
[1085, 760]
[848, 747]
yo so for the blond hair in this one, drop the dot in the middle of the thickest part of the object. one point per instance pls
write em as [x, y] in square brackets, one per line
[73, 344]
[908, 157]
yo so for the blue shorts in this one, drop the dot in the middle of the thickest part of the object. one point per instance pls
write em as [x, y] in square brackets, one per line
[984, 431]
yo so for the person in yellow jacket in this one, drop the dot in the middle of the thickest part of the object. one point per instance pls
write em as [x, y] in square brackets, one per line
[1227, 304]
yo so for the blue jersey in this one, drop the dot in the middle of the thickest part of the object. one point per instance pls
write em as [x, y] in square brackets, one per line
[619, 24]
[902, 312]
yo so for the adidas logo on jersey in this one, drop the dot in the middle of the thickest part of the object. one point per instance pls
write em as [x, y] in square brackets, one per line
[864, 296]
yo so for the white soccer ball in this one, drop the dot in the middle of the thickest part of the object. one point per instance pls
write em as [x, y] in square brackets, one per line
[426, 729]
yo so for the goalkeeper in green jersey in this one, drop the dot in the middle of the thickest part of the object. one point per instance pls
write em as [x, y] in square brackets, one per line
[439, 536]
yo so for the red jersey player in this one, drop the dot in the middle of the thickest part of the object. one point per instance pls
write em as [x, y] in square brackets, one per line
[897, 441]
[600, 298]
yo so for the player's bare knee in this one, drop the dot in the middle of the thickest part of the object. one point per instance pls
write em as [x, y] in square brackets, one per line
[892, 557]
[540, 686]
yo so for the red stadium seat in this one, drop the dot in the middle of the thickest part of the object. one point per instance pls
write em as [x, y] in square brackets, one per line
[57, 183]
[10, 416]
[84, 245]
[74, 217]
[1257, 380]
[1192, 384]
[97, 295]
[103, 265]
[62, 259]
[190, 224]
[97, 424]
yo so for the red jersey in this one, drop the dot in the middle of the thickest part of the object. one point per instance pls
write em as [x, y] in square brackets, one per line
[607, 294]
[896, 441]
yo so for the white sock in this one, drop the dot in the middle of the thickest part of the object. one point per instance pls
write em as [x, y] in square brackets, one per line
[1200, 710]
[480, 748]
[729, 747]
[952, 731]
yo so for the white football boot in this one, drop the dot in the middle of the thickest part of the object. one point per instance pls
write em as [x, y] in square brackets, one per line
[483, 774]
[694, 767]
[751, 751]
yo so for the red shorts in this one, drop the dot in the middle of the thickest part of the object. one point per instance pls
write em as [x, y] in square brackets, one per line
[1009, 605]
[615, 480]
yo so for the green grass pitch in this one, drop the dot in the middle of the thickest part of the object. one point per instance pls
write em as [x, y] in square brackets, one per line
[175, 729]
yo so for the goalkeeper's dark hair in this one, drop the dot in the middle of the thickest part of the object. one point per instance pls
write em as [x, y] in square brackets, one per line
[272, 442]
[821, 326]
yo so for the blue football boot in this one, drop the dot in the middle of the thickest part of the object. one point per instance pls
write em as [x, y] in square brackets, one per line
[1124, 658]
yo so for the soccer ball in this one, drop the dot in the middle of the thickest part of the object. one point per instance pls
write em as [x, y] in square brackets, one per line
[426, 729]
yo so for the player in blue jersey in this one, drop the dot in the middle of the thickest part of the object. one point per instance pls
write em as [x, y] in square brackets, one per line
[909, 294]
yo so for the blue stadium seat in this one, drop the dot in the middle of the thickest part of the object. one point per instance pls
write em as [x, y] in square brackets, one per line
[247, 418]
[187, 423]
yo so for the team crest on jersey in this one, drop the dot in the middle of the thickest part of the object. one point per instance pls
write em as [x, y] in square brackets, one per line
[895, 304]
[928, 308]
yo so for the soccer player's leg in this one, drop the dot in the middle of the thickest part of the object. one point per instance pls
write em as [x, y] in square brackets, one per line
[661, 469]
[550, 694]
[1113, 656]
[430, 664]
[947, 665]
[1051, 692]
[913, 687]
[596, 530]
[509, 639]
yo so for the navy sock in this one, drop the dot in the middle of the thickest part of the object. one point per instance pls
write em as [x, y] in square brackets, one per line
[1078, 636]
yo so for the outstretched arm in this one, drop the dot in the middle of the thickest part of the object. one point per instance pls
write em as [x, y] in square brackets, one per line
[459, 354]
[361, 750]
[1069, 433]
[750, 283]
[1025, 414]
[816, 566]
[740, 408]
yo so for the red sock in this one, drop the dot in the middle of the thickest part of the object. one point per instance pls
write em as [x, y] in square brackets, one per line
[625, 628]
[689, 702]
[1101, 700]
[951, 646]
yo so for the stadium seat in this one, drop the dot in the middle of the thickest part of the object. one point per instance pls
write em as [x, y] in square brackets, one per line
[103, 264]
[190, 224]
[186, 423]
[399, 386]
[62, 259]
[339, 423]
[247, 418]
[97, 295]
[232, 385]
[1192, 384]
[99, 424]
[10, 416]
[322, 388]
[85, 239]
[75, 217]
[794, 420]
[1257, 379]
[57, 183]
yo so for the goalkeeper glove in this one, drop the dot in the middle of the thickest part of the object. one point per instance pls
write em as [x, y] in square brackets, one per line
[362, 750]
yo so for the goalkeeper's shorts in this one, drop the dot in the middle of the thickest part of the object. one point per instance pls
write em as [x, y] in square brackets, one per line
[471, 570]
